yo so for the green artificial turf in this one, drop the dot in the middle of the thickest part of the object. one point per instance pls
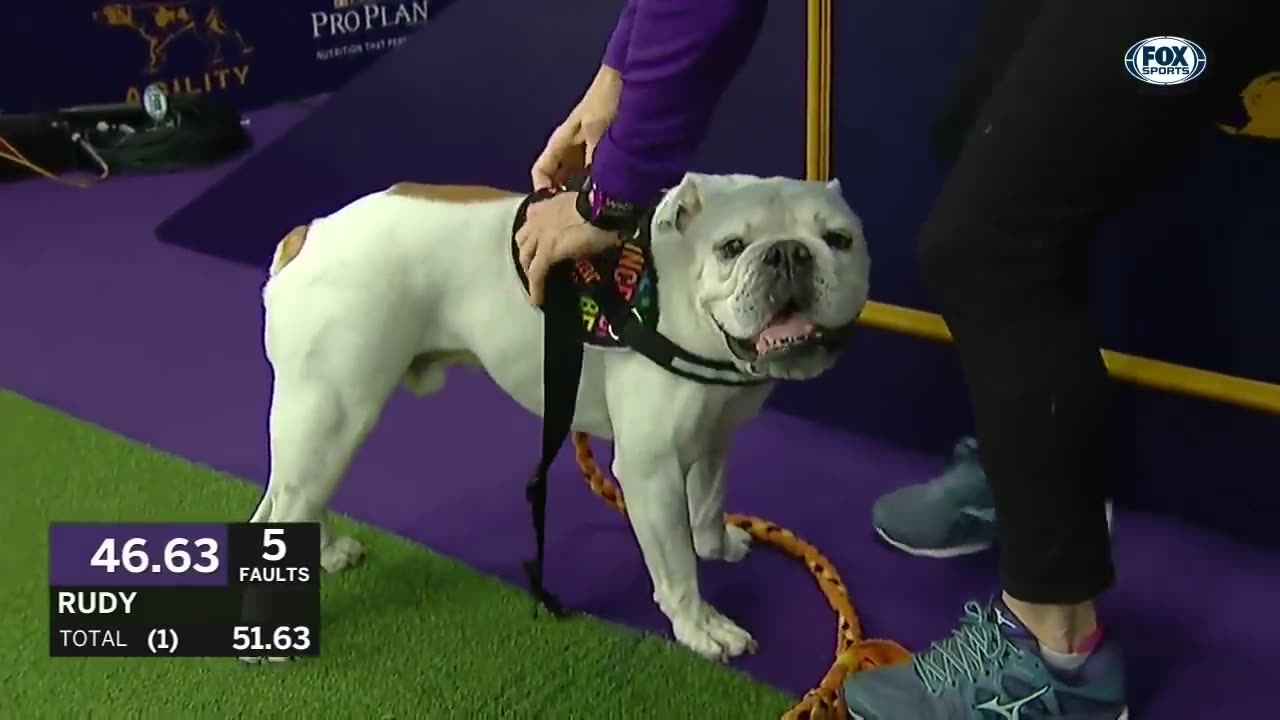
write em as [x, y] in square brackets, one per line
[409, 634]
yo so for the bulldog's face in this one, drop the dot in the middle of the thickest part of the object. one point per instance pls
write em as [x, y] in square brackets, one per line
[782, 268]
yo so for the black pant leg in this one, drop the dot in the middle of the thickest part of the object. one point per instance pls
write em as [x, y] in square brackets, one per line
[999, 37]
[1065, 139]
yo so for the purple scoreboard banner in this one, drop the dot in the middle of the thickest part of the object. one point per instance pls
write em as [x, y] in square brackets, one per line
[250, 52]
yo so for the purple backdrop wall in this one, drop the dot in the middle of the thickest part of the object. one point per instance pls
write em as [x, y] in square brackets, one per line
[471, 99]
[250, 52]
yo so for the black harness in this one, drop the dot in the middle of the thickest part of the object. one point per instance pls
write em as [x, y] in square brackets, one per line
[609, 301]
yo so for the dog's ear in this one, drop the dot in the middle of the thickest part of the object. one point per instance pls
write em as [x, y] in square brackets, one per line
[681, 205]
[834, 186]
[688, 206]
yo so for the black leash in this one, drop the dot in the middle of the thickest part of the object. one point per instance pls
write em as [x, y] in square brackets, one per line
[562, 353]
[562, 357]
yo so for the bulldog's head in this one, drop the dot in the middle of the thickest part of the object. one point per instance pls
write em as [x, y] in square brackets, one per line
[781, 267]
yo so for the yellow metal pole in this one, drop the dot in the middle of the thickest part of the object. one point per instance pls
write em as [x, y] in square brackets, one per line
[815, 108]
[1145, 372]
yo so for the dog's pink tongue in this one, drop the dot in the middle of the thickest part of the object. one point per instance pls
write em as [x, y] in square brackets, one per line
[782, 329]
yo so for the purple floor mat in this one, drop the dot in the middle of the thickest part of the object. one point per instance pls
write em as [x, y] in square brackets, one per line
[163, 345]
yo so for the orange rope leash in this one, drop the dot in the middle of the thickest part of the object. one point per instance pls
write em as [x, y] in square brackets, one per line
[15, 156]
[853, 651]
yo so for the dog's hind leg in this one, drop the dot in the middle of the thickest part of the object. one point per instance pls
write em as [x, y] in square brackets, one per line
[316, 429]
[334, 370]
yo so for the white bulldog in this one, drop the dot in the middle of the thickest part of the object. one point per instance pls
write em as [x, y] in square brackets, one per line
[400, 284]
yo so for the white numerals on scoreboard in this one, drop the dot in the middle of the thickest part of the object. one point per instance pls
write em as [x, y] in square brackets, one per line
[282, 639]
[273, 547]
[162, 641]
[179, 555]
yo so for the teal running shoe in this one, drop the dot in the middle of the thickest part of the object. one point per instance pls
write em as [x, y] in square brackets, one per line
[990, 668]
[951, 515]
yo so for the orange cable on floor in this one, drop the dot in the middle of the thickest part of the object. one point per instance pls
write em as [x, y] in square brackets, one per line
[15, 156]
[853, 651]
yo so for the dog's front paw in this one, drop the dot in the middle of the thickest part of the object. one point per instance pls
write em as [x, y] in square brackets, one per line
[708, 633]
[730, 544]
[340, 553]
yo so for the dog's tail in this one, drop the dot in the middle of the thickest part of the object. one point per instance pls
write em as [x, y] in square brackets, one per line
[288, 248]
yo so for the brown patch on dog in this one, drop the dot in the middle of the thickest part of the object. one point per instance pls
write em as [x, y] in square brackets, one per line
[450, 193]
[289, 247]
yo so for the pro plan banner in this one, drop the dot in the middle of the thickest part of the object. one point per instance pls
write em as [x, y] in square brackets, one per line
[359, 28]
[250, 52]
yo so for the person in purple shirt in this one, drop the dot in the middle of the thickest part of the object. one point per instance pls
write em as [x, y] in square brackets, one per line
[665, 68]
[1048, 137]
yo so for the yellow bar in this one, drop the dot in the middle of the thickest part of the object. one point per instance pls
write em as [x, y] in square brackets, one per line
[824, 33]
[814, 149]
[1145, 372]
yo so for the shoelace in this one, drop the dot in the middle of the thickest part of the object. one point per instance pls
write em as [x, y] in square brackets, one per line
[965, 452]
[971, 651]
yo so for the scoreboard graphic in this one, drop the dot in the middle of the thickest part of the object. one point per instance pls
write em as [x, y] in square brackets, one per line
[184, 590]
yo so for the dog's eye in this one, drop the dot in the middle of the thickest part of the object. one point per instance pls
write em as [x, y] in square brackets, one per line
[838, 240]
[732, 248]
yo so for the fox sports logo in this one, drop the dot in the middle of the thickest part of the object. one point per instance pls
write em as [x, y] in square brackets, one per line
[1165, 60]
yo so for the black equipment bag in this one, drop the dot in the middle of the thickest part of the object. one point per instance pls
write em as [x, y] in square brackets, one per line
[194, 131]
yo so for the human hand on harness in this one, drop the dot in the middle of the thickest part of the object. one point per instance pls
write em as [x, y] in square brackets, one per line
[571, 145]
[554, 231]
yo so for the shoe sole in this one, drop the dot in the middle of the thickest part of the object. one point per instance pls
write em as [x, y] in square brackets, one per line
[1124, 715]
[952, 551]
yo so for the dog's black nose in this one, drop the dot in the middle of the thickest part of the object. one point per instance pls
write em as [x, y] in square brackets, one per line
[791, 253]
[798, 253]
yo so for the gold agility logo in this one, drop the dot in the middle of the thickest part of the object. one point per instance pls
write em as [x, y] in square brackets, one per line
[161, 24]
[1261, 101]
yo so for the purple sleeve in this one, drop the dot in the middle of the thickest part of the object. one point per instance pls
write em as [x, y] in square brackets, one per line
[615, 54]
[681, 57]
